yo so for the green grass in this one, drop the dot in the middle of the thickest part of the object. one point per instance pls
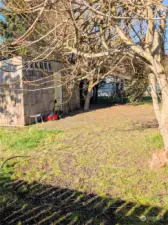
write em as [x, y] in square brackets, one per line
[144, 101]
[156, 140]
[23, 139]
[108, 157]
[22, 142]
[17, 142]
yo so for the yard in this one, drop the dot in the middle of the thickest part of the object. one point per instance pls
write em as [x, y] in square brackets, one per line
[88, 168]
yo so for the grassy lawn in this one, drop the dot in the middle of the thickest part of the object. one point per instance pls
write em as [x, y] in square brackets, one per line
[89, 168]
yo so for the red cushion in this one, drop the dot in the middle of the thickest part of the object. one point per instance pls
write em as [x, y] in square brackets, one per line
[51, 117]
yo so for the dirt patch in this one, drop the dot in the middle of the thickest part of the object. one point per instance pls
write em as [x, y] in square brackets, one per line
[103, 116]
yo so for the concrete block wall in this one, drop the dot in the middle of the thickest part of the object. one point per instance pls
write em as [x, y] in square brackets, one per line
[11, 94]
[71, 100]
[38, 95]
[28, 91]
[66, 101]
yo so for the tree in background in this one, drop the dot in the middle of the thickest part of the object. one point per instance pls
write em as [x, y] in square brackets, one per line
[94, 71]
[95, 29]
[10, 28]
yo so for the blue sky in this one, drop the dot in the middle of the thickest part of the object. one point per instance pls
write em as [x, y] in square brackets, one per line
[1, 17]
[166, 44]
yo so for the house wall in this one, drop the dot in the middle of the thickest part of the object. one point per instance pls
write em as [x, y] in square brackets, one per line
[57, 68]
[11, 95]
[32, 89]
[66, 101]
[38, 92]
[71, 99]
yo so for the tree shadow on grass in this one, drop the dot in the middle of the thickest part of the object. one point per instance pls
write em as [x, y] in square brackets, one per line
[37, 203]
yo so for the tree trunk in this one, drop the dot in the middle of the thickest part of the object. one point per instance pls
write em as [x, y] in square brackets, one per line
[89, 95]
[87, 102]
[161, 112]
[164, 120]
[153, 83]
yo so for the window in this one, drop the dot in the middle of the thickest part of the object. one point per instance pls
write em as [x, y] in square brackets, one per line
[36, 65]
[45, 66]
[49, 66]
[13, 68]
[31, 66]
[41, 65]
[5, 68]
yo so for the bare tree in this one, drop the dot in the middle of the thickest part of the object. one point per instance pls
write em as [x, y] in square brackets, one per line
[141, 26]
[97, 29]
[53, 38]
[94, 71]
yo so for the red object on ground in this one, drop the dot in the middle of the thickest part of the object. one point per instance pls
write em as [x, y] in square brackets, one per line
[52, 116]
